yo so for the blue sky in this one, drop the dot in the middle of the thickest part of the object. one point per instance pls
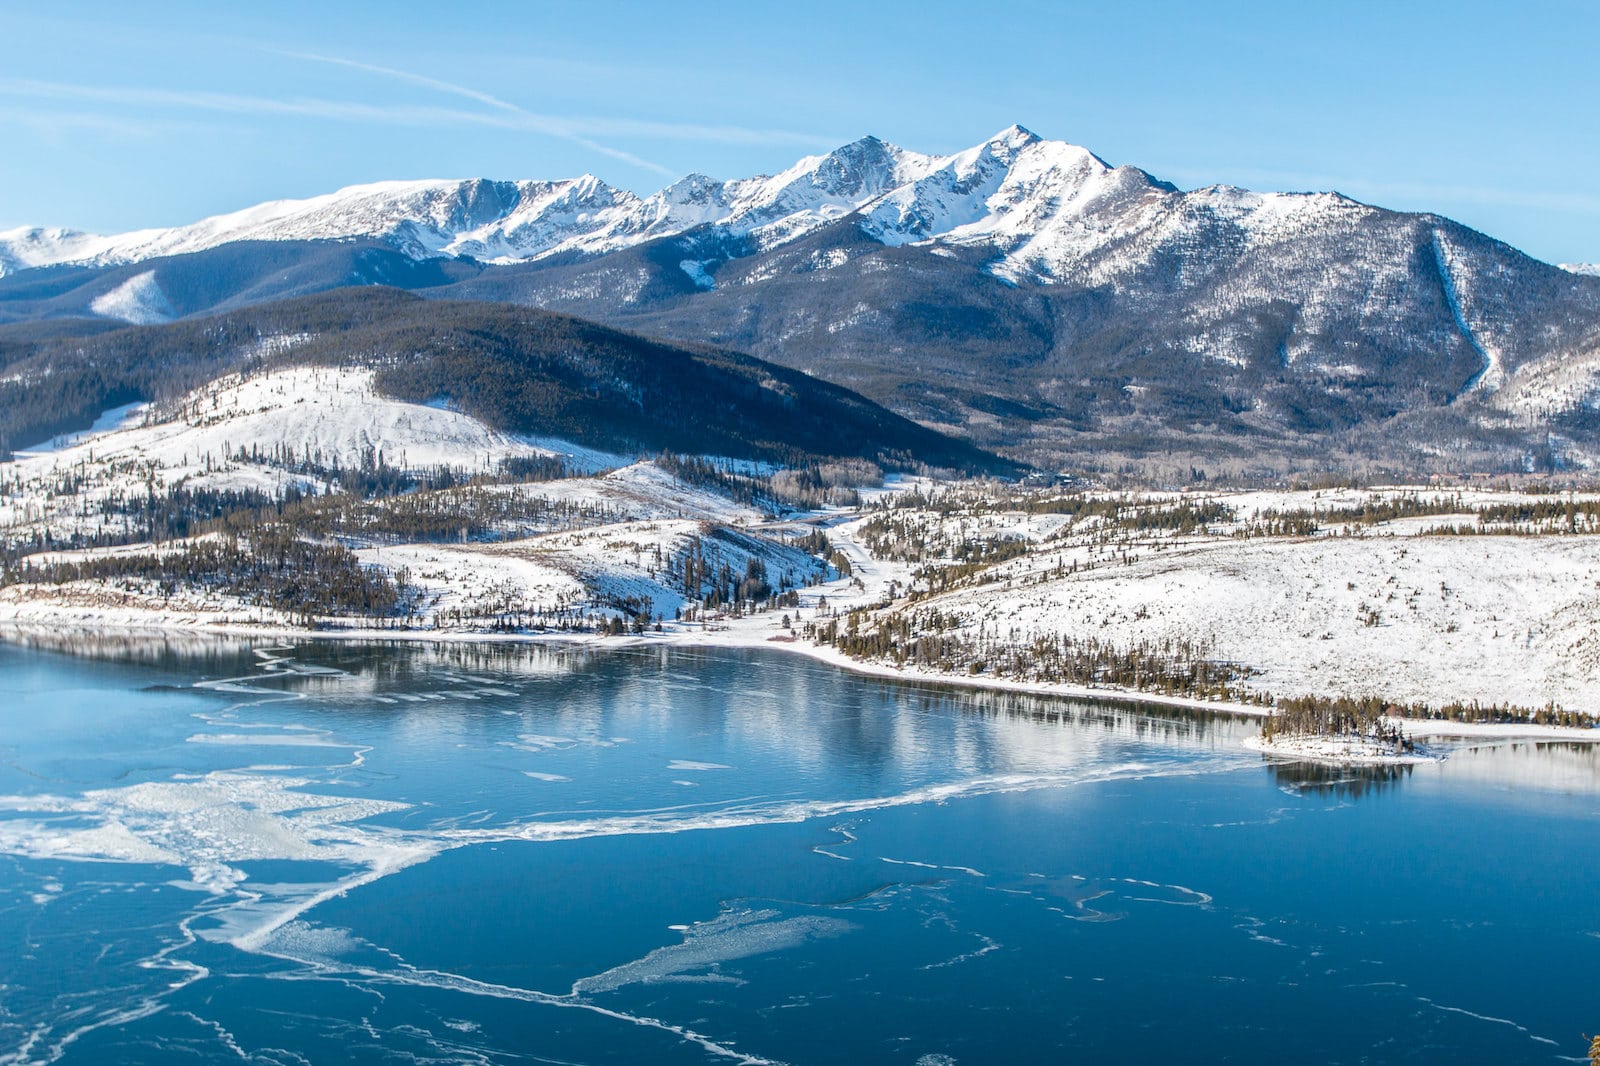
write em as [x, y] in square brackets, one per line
[115, 117]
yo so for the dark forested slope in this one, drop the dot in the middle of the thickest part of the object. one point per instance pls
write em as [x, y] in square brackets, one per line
[518, 369]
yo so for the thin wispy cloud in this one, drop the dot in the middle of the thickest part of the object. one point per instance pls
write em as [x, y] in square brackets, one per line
[406, 76]
[311, 107]
[494, 113]
[540, 123]
[689, 131]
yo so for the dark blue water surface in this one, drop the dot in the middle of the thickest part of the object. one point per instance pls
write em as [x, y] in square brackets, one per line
[228, 850]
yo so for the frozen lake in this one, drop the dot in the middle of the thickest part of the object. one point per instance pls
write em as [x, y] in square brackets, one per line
[222, 850]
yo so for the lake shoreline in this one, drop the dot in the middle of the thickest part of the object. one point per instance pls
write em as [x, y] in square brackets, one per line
[762, 631]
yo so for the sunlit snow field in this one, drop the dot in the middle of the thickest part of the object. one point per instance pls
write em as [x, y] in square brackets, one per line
[338, 852]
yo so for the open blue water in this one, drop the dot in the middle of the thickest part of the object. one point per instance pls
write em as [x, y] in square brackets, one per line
[220, 851]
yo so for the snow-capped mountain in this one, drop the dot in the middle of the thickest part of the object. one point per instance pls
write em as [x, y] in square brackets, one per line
[1591, 269]
[1046, 206]
[505, 221]
[509, 221]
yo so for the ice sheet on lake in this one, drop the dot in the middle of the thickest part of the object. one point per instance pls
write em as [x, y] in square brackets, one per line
[314, 942]
[779, 812]
[1083, 895]
[208, 824]
[299, 740]
[539, 742]
[729, 936]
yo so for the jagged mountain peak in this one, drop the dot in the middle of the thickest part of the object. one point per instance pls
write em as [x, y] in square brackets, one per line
[856, 170]
[691, 188]
[1015, 136]
[866, 165]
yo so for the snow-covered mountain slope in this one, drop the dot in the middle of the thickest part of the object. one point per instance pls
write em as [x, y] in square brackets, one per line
[501, 221]
[519, 370]
[1591, 269]
[601, 544]
[593, 569]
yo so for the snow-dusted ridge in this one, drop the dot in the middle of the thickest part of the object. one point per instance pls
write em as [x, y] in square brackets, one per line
[1045, 205]
[485, 219]
[499, 221]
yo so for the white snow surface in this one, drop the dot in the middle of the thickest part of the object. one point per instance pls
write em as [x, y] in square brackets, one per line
[1337, 749]
[138, 300]
[1591, 269]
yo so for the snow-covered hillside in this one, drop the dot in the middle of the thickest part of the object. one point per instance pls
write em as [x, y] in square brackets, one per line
[579, 550]
[252, 433]
[1404, 608]
[596, 569]
[609, 541]
[1494, 619]
[330, 411]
